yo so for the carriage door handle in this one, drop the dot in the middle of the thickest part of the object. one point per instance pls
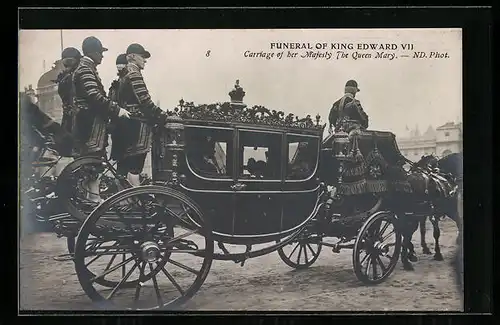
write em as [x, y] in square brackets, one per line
[238, 187]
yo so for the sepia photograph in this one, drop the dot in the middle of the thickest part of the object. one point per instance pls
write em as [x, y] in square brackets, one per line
[241, 169]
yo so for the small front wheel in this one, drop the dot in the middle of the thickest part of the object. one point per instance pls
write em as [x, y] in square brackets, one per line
[377, 248]
[303, 252]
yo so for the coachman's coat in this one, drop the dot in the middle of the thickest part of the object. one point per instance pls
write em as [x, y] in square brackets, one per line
[347, 114]
[94, 108]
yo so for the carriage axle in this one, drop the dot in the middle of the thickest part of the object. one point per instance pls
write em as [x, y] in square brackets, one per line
[337, 247]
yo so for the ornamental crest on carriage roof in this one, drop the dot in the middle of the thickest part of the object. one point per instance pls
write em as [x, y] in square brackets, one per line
[236, 111]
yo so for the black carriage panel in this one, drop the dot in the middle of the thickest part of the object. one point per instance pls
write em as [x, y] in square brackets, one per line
[297, 206]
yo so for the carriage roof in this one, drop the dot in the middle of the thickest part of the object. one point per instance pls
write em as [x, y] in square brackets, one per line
[235, 114]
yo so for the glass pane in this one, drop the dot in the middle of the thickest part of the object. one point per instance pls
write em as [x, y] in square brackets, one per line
[302, 156]
[207, 151]
[260, 155]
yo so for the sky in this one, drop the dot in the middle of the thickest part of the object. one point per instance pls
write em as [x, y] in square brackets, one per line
[394, 93]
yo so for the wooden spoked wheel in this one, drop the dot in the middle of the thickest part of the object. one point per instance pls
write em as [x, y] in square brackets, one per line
[377, 248]
[303, 252]
[165, 244]
[70, 185]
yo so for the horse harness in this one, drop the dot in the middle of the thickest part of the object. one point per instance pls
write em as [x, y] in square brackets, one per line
[443, 185]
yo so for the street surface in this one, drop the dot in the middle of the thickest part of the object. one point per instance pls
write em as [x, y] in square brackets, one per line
[264, 283]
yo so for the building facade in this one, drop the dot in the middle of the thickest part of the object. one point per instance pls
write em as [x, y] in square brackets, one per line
[442, 141]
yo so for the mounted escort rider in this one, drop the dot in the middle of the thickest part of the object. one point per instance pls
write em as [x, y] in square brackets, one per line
[94, 107]
[347, 114]
[133, 138]
[70, 59]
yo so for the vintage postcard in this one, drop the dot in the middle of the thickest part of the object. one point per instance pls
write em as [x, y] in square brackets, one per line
[241, 169]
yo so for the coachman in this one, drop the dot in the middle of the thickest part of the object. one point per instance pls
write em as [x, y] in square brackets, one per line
[347, 114]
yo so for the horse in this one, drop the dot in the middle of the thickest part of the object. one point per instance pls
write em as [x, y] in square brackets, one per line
[434, 182]
[37, 127]
[451, 165]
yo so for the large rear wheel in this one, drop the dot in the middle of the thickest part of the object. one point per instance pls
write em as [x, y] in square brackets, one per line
[165, 243]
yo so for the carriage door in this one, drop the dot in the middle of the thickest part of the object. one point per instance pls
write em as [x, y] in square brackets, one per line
[259, 182]
[209, 169]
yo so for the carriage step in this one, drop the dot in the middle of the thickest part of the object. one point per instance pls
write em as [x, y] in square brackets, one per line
[64, 257]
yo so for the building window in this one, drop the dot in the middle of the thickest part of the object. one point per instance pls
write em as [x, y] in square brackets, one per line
[447, 134]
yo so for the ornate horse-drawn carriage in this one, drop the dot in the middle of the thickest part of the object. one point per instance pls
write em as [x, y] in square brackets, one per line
[238, 176]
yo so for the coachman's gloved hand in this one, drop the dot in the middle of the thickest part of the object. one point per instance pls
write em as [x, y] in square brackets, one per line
[123, 113]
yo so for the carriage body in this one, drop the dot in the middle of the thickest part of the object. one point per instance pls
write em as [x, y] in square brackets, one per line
[257, 183]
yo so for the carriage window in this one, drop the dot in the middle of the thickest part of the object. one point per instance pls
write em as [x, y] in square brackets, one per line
[207, 152]
[260, 155]
[302, 156]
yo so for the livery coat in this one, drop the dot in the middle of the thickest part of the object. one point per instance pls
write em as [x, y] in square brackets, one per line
[94, 108]
[133, 137]
[347, 114]
[66, 91]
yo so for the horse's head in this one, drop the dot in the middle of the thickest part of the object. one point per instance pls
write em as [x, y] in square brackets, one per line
[427, 161]
[452, 164]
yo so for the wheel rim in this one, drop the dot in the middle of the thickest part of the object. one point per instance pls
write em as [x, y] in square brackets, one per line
[71, 187]
[165, 268]
[302, 253]
[377, 249]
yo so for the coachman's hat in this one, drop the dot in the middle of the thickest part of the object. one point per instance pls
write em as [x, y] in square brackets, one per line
[138, 49]
[352, 83]
[121, 59]
[92, 45]
[70, 52]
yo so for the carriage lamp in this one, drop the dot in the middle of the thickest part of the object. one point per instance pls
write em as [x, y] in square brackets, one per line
[171, 149]
[340, 145]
